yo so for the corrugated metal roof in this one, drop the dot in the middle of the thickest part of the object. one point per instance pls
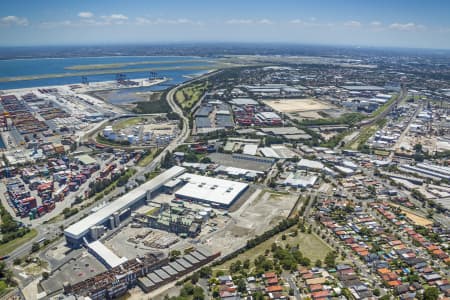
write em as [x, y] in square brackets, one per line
[80, 228]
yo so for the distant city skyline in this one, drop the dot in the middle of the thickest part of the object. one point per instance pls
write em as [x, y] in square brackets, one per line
[410, 24]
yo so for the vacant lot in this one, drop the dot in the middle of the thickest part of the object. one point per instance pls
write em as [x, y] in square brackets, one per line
[418, 220]
[297, 105]
[125, 123]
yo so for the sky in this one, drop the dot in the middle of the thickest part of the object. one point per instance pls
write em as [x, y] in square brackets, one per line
[380, 23]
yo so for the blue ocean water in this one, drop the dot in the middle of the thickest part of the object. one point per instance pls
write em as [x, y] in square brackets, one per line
[24, 67]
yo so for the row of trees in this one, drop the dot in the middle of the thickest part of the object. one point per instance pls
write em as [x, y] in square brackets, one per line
[282, 226]
[9, 227]
[99, 186]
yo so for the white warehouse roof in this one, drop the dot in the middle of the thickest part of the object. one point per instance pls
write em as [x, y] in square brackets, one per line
[109, 257]
[269, 152]
[250, 149]
[210, 189]
[298, 180]
[80, 228]
[310, 164]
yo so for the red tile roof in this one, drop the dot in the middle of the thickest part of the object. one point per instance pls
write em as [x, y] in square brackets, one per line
[274, 288]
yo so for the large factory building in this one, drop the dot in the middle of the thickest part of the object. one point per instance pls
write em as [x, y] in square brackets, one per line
[110, 216]
[216, 192]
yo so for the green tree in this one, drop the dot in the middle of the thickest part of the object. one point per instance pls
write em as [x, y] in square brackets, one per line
[205, 272]
[418, 148]
[198, 294]
[246, 264]
[195, 277]
[187, 289]
[242, 286]
[35, 247]
[45, 275]
[330, 259]
[206, 160]
[431, 293]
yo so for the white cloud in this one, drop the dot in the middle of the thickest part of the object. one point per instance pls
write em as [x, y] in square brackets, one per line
[146, 21]
[118, 17]
[265, 21]
[114, 19]
[297, 21]
[240, 21]
[249, 21]
[142, 21]
[85, 14]
[407, 26]
[311, 23]
[376, 24]
[14, 20]
[354, 24]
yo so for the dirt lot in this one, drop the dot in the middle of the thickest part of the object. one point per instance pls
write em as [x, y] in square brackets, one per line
[297, 105]
[418, 220]
[262, 211]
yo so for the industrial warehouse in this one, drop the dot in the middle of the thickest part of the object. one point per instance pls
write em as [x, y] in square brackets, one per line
[218, 193]
[115, 212]
[215, 192]
[148, 272]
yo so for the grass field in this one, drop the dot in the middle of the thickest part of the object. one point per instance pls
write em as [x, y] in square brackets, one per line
[102, 140]
[190, 94]
[7, 248]
[381, 152]
[127, 123]
[310, 245]
[146, 160]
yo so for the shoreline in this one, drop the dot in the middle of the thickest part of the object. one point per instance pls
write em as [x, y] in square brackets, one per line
[104, 72]
[97, 86]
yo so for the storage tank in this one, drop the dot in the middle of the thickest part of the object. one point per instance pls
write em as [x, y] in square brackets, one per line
[107, 131]
[131, 139]
[111, 222]
[204, 215]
